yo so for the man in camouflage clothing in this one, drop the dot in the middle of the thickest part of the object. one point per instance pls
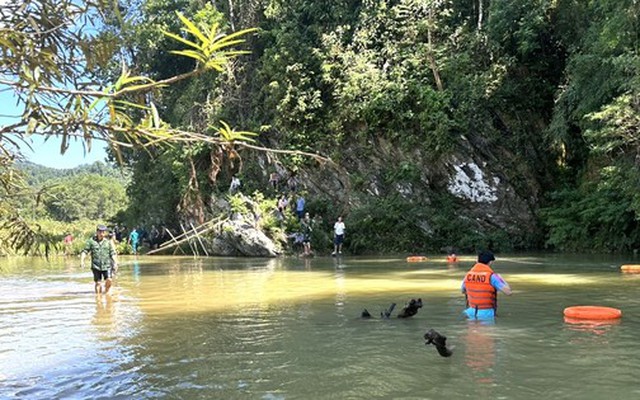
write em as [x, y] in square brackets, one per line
[104, 261]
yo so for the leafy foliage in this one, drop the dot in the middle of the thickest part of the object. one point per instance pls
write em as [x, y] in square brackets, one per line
[85, 197]
[545, 91]
[597, 217]
[49, 55]
[543, 88]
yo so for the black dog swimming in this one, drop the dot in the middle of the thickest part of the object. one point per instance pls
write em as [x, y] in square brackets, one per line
[410, 309]
[386, 314]
[438, 340]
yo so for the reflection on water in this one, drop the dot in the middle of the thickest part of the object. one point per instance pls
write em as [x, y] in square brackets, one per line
[591, 326]
[480, 351]
[135, 270]
[177, 327]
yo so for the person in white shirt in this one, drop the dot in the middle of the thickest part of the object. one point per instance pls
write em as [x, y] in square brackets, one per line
[338, 229]
[235, 184]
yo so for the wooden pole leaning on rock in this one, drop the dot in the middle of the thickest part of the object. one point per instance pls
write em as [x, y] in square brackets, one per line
[173, 238]
[195, 233]
[193, 248]
[187, 236]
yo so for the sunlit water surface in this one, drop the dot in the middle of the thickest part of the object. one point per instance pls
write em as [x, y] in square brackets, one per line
[290, 329]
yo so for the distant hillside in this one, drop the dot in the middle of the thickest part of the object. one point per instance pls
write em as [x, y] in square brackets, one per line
[37, 174]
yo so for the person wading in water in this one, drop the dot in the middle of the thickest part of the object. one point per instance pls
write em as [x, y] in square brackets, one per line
[481, 285]
[104, 259]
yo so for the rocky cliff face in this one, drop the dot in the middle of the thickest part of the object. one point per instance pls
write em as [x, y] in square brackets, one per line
[487, 194]
[489, 198]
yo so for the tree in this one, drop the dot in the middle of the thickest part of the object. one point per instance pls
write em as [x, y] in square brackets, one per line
[87, 196]
[596, 124]
[48, 60]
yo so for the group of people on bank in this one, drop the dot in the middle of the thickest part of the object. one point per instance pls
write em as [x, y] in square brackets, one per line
[307, 225]
[153, 237]
[290, 199]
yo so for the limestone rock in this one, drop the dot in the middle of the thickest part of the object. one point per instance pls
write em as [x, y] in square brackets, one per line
[238, 238]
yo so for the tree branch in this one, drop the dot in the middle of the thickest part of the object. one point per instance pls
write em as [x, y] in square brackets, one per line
[12, 127]
[96, 93]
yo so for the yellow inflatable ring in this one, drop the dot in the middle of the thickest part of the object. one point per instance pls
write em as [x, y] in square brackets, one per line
[592, 313]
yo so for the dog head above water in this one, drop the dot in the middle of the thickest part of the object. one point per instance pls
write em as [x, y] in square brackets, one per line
[410, 309]
[438, 340]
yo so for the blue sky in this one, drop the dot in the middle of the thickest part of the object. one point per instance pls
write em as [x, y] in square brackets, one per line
[43, 152]
[47, 153]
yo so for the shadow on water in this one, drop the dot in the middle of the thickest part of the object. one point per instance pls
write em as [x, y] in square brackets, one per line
[230, 328]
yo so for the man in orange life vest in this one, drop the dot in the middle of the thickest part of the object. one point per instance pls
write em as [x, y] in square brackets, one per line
[481, 286]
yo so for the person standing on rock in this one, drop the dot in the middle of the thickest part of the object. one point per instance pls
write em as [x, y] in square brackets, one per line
[306, 234]
[338, 238]
[300, 203]
[234, 187]
[274, 178]
[283, 203]
[292, 183]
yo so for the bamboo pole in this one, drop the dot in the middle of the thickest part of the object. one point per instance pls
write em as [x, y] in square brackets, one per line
[195, 232]
[191, 246]
[203, 226]
[174, 239]
[180, 239]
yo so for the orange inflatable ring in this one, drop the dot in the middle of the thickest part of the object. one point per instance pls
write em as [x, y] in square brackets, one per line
[452, 259]
[417, 259]
[631, 268]
[592, 313]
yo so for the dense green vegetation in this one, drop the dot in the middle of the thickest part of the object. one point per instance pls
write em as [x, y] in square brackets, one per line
[56, 66]
[89, 192]
[548, 89]
[62, 201]
[545, 92]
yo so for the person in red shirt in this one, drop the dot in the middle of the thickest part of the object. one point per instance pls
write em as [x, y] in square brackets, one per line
[68, 242]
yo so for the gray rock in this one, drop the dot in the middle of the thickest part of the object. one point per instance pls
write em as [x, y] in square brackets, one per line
[238, 238]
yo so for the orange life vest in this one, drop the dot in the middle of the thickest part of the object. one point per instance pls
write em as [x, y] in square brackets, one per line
[477, 283]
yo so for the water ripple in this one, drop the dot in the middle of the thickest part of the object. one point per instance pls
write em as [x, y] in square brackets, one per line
[220, 329]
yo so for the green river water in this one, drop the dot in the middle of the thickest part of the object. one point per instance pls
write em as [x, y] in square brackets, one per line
[232, 328]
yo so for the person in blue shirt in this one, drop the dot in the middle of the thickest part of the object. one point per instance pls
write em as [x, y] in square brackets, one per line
[300, 207]
[134, 237]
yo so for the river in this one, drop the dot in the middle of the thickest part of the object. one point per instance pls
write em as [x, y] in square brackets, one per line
[237, 328]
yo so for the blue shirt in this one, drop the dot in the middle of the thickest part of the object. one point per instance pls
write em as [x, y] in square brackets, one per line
[133, 236]
[300, 204]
